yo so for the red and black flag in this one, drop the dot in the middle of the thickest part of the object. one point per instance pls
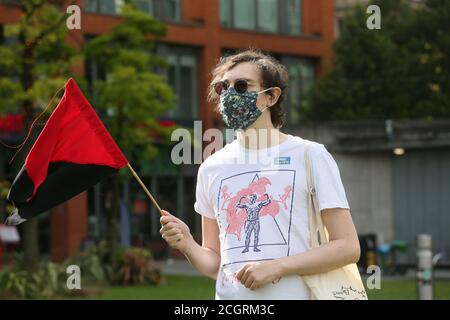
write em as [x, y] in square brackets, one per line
[73, 152]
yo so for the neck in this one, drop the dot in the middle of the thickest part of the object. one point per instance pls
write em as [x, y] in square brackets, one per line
[260, 138]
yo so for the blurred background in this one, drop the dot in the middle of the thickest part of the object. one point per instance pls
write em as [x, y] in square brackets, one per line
[378, 99]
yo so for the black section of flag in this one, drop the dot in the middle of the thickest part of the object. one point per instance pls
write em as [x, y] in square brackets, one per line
[74, 177]
[23, 189]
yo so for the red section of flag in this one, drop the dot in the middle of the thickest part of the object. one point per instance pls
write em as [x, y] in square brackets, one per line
[73, 133]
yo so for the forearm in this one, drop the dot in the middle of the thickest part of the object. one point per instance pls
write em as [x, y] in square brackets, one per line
[205, 260]
[333, 255]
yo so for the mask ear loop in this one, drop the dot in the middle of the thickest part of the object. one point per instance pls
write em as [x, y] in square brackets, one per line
[266, 90]
[264, 109]
[262, 92]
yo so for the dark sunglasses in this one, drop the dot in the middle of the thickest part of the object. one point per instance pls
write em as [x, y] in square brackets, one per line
[240, 86]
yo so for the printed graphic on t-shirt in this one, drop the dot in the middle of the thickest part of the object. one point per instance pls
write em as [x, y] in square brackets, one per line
[255, 211]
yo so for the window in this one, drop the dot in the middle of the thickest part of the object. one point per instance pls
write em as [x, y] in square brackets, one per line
[172, 10]
[145, 6]
[275, 16]
[244, 14]
[94, 72]
[225, 13]
[182, 77]
[301, 77]
[102, 6]
[168, 10]
[268, 15]
[293, 17]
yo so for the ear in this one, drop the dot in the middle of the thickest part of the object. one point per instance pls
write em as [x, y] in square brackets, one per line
[274, 94]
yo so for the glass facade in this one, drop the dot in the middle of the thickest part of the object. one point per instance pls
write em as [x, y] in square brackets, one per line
[268, 15]
[145, 6]
[272, 16]
[225, 13]
[172, 10]
[293, 15]
[102, 6]
[301, 78]
[167, 10]
[244, 14]
[182, 76]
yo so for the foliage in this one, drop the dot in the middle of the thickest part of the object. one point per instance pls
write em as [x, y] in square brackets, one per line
[136, 266]
[133, 266]
[35, 60]
[48, 281]
[132, 92]
[399, 72]
[93, 263]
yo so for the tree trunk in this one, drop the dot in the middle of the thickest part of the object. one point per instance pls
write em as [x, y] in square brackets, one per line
[113, 219]
[30, 245]
[30, 230]
[30, 227]
[113, 214]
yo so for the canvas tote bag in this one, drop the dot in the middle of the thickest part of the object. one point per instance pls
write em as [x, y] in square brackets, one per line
[340, 284]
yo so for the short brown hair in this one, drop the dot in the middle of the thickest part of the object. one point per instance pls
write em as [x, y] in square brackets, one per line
[273, 74]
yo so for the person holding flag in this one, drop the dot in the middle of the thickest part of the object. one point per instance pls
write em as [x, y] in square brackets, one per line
[249, 88]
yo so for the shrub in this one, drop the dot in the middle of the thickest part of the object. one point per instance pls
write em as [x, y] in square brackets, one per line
[136, 266]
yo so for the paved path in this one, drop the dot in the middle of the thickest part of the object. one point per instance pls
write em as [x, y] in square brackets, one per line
[177, 267]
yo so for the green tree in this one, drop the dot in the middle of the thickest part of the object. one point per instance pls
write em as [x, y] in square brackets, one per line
[398, 72]
[35, 62]
[132, 94]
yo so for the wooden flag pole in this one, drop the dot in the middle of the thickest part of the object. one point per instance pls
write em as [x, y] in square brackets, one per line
[145, 189]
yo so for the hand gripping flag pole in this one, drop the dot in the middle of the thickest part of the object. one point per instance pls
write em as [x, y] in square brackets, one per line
[73, 152]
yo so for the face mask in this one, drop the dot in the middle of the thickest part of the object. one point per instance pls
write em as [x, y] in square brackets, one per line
[239, 110]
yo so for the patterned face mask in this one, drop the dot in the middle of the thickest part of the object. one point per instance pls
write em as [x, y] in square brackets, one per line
[239, 110]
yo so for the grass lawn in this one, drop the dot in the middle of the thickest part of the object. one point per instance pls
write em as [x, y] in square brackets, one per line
[177, 288]
[186, 287]
[406, 290]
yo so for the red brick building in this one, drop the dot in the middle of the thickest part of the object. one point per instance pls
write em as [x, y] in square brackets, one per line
[297, 32]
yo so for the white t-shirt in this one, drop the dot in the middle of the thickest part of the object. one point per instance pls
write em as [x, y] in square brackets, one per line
[259, 198]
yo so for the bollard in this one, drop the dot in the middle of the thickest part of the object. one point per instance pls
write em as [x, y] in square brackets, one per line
[424, 275]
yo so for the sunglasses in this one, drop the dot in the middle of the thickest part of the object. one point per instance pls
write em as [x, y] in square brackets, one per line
[240, 86]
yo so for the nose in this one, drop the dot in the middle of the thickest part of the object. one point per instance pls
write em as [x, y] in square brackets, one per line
[230, 90]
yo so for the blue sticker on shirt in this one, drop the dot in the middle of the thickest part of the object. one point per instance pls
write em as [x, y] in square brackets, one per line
[282, 160]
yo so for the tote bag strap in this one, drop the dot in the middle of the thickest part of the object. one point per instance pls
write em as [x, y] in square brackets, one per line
[318, 234]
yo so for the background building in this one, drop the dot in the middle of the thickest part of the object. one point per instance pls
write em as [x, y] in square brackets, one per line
[297, 32]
